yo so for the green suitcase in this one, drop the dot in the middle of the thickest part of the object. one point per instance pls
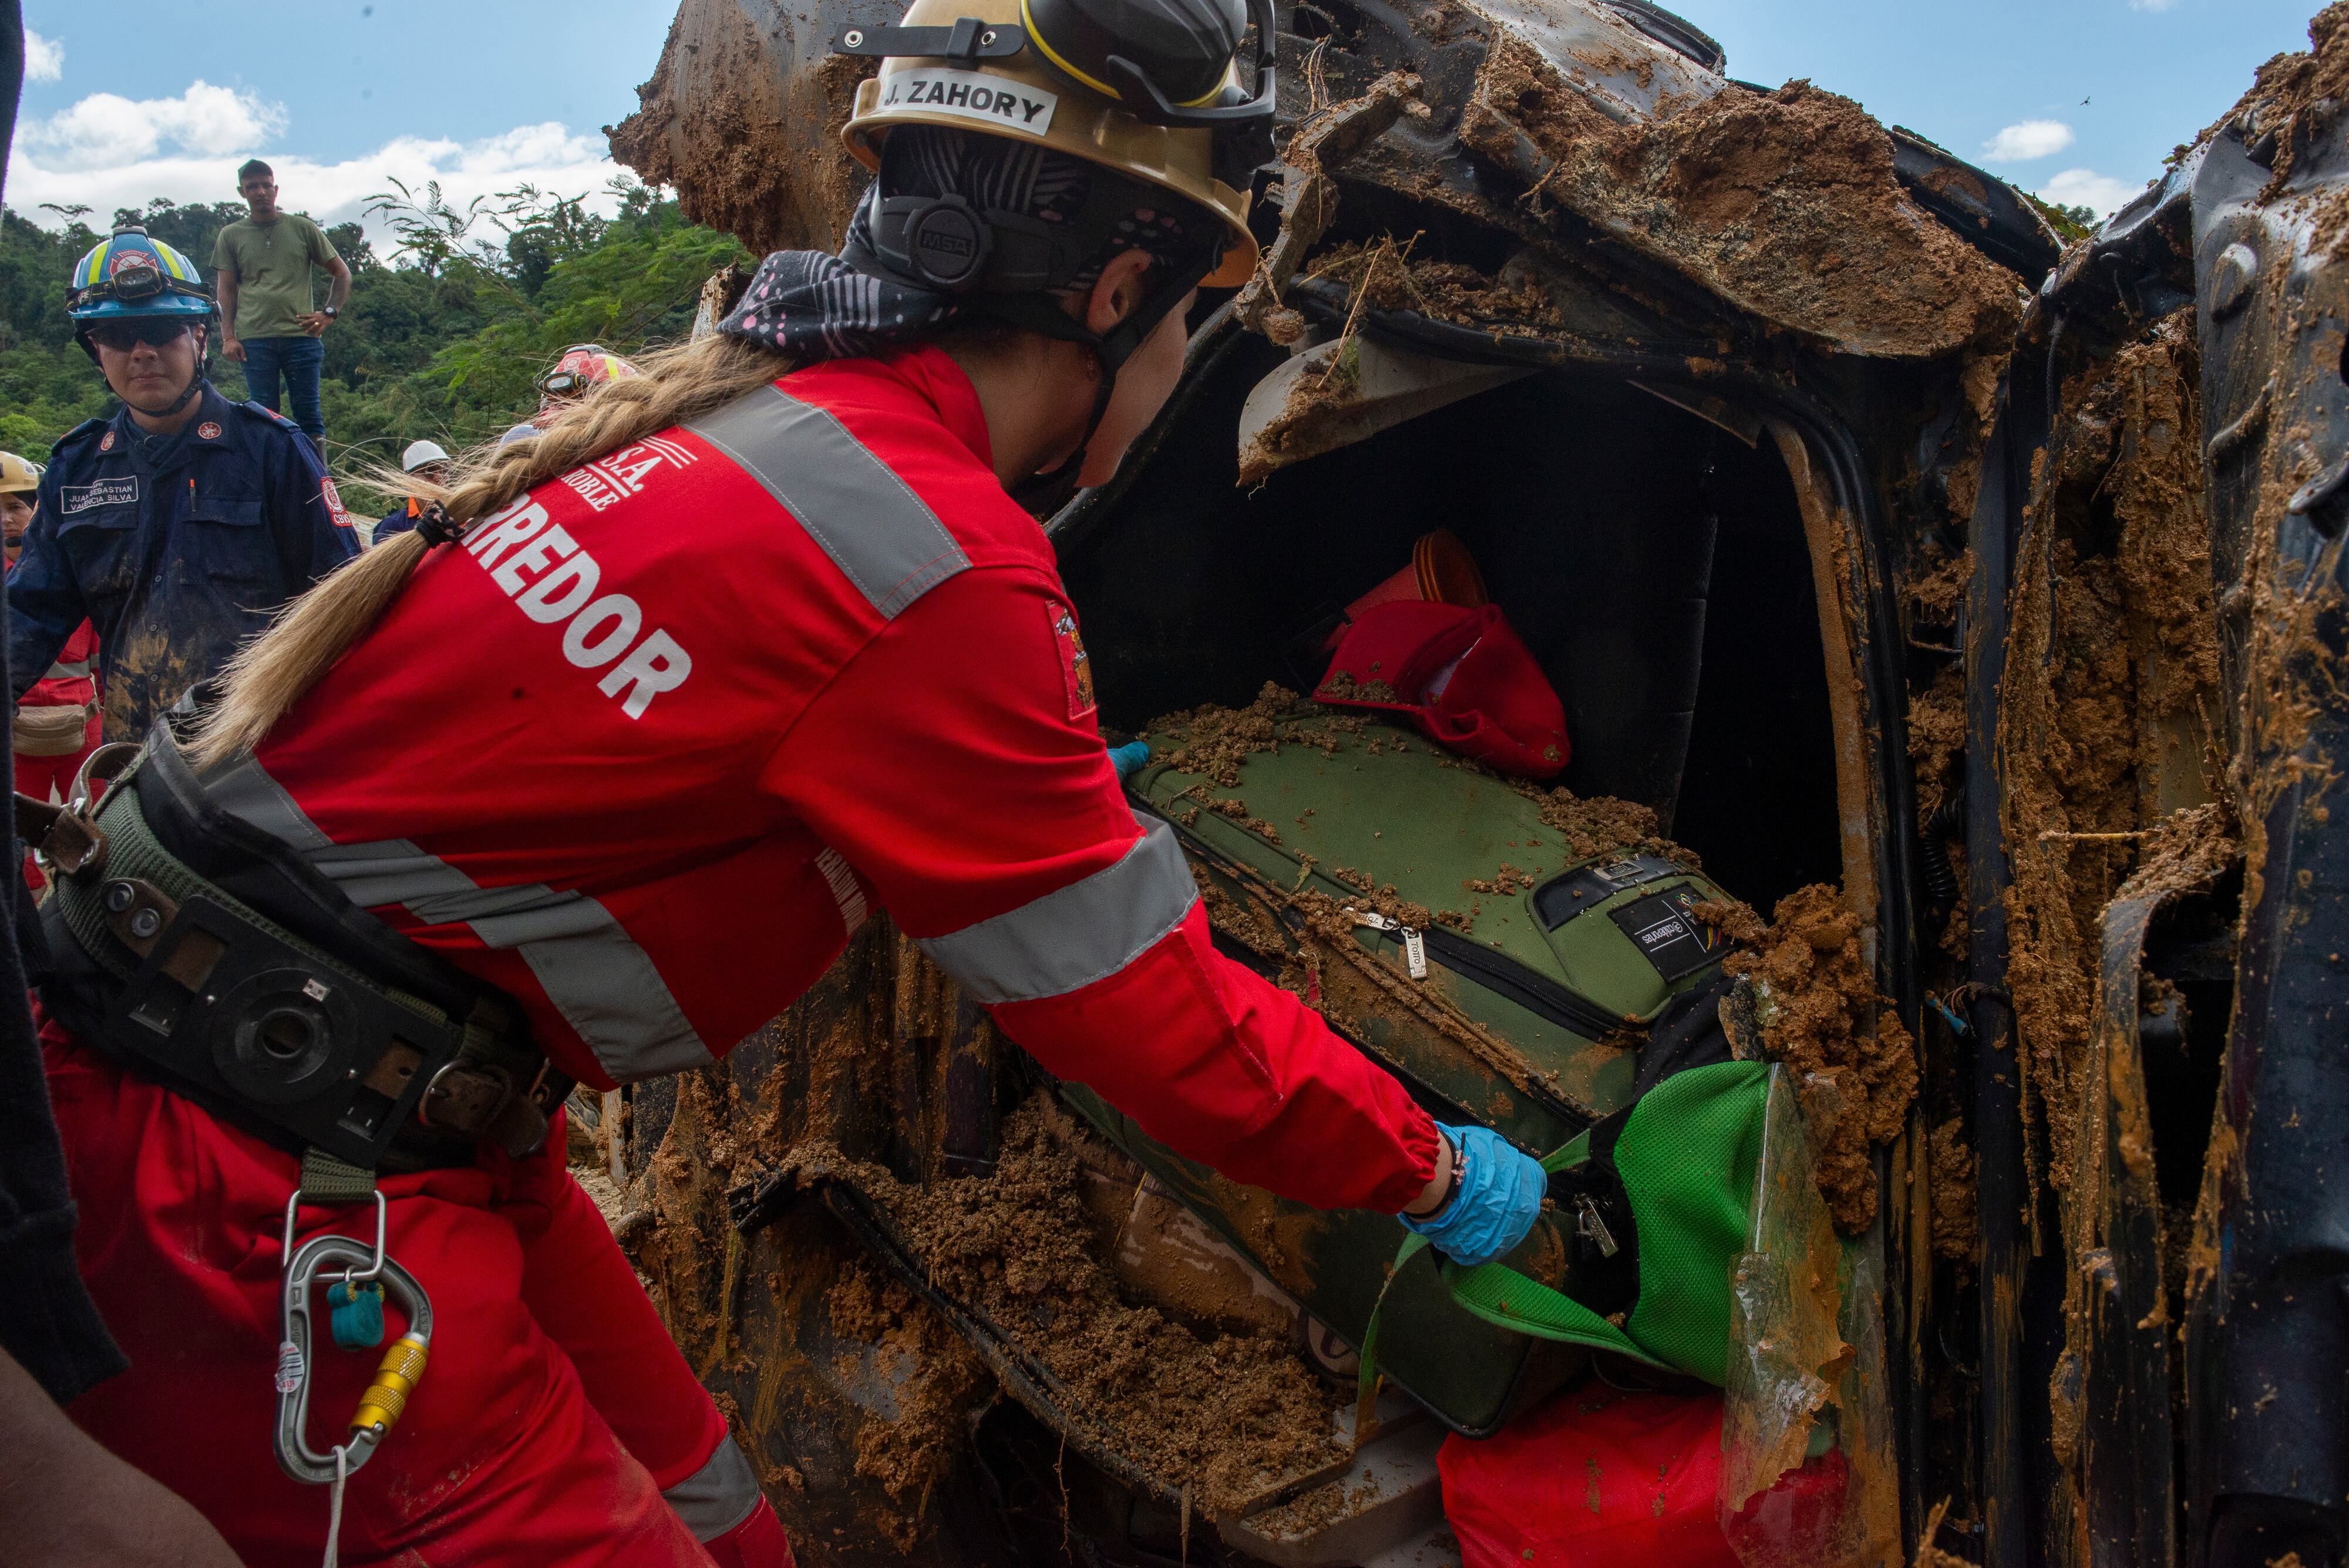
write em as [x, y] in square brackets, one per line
[1505, 983]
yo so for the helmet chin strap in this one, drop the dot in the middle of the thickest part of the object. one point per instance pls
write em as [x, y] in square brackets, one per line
[187, 395]
[1042, 312]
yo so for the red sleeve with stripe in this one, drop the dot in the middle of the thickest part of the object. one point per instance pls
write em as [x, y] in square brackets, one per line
[958, 767]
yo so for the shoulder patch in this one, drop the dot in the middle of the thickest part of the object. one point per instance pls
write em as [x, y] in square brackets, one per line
[1076, 664]
[80, 432]
[262, 412]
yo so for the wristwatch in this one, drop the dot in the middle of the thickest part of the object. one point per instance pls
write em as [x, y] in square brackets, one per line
[327, 311]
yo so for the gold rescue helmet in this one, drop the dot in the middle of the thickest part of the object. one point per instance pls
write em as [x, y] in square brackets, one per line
[17, 477]
[987, 66]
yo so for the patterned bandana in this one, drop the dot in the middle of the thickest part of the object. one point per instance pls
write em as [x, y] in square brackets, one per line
[815, 306]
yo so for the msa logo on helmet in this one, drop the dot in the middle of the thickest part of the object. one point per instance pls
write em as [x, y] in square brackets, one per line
[968, 95]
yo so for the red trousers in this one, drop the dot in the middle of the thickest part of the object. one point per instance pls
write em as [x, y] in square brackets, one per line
[553, 1413]
[39, 776]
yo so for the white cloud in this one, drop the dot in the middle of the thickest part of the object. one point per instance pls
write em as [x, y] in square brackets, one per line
[44, 58]
[2086, 188]
[106, 131]
[106, 159]
[2027, 139]
[2152, 4]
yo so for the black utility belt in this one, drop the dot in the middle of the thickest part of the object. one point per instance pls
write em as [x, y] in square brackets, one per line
[192, 988]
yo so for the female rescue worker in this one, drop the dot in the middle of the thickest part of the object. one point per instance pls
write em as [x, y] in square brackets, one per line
[733, 653]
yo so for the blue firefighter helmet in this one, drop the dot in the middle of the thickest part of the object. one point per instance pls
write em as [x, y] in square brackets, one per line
[131, 275]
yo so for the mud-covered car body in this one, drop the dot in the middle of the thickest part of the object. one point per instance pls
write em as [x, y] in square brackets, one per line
[1870, 538]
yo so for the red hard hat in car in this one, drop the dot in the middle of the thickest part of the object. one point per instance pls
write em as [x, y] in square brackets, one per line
[1462, 677]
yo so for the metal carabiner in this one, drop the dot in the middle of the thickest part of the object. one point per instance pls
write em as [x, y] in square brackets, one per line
[395, 1376]
[382, 1220]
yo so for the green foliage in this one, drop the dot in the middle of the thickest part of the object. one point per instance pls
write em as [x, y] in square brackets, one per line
[2070, 224]
[447, 342]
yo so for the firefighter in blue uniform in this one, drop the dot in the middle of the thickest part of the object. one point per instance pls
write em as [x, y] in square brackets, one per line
[180, 524]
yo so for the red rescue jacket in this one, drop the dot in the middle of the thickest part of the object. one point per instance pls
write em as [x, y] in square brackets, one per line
[652, 742]
[69, 682]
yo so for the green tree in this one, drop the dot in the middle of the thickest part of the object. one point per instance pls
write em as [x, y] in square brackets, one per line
[445, 340]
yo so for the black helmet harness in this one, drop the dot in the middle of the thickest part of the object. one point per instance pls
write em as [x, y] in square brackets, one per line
[1167, 62]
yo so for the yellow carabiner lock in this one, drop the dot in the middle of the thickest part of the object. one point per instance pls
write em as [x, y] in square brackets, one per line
[396, 1377]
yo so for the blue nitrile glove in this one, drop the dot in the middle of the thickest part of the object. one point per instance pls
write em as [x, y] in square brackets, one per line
[1496, 1202]
[1128, 757]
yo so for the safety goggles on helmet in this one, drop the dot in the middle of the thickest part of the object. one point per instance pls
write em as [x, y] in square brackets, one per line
[1169, 62]
[127, 332]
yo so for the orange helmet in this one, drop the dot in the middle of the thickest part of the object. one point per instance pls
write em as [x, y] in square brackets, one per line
[583, 366]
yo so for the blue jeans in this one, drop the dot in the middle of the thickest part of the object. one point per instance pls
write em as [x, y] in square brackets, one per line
[298, 359]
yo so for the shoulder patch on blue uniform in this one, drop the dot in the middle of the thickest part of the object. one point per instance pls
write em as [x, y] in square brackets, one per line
[81, 432]
[271, 415]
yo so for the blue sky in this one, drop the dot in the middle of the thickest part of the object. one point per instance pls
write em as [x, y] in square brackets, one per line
[138, 98]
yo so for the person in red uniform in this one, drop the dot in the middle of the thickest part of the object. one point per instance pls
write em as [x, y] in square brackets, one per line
[57, 720]
[669, 701]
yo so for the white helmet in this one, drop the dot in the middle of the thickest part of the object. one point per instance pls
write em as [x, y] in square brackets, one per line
[420, 452]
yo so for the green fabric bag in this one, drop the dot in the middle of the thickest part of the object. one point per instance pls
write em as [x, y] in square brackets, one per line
[1687, 1153]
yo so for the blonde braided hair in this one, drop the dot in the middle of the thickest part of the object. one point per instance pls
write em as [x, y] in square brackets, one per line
[272, 671]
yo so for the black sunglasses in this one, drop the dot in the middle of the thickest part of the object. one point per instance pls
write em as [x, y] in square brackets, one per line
[123, 336]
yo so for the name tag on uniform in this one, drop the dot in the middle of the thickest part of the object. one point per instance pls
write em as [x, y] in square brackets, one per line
[121, 492]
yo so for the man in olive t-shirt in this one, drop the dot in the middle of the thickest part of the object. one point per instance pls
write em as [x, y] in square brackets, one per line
[263, 263]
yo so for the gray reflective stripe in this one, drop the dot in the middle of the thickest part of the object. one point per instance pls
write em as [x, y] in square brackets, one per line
[604, 985]
[846, 891]
[77, 670]
[874, 528]
[247, 791]
[1087, 931]
[719, 1496]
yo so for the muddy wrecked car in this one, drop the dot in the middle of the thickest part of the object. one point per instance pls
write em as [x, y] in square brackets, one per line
[1948, 625]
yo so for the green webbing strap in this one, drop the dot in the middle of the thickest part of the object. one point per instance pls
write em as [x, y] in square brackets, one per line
[133, 850]
[326, 1179]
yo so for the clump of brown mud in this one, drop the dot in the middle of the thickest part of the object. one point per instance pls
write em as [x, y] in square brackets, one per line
[749, 139]
[1957, 1232]
[1227, 1416]
[935, 1378]
[1382, 276]
[1783, 203]
[1215, 741]
[1601, 825]
[1816, 1009]
[2106, 723]
[2288, 86]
